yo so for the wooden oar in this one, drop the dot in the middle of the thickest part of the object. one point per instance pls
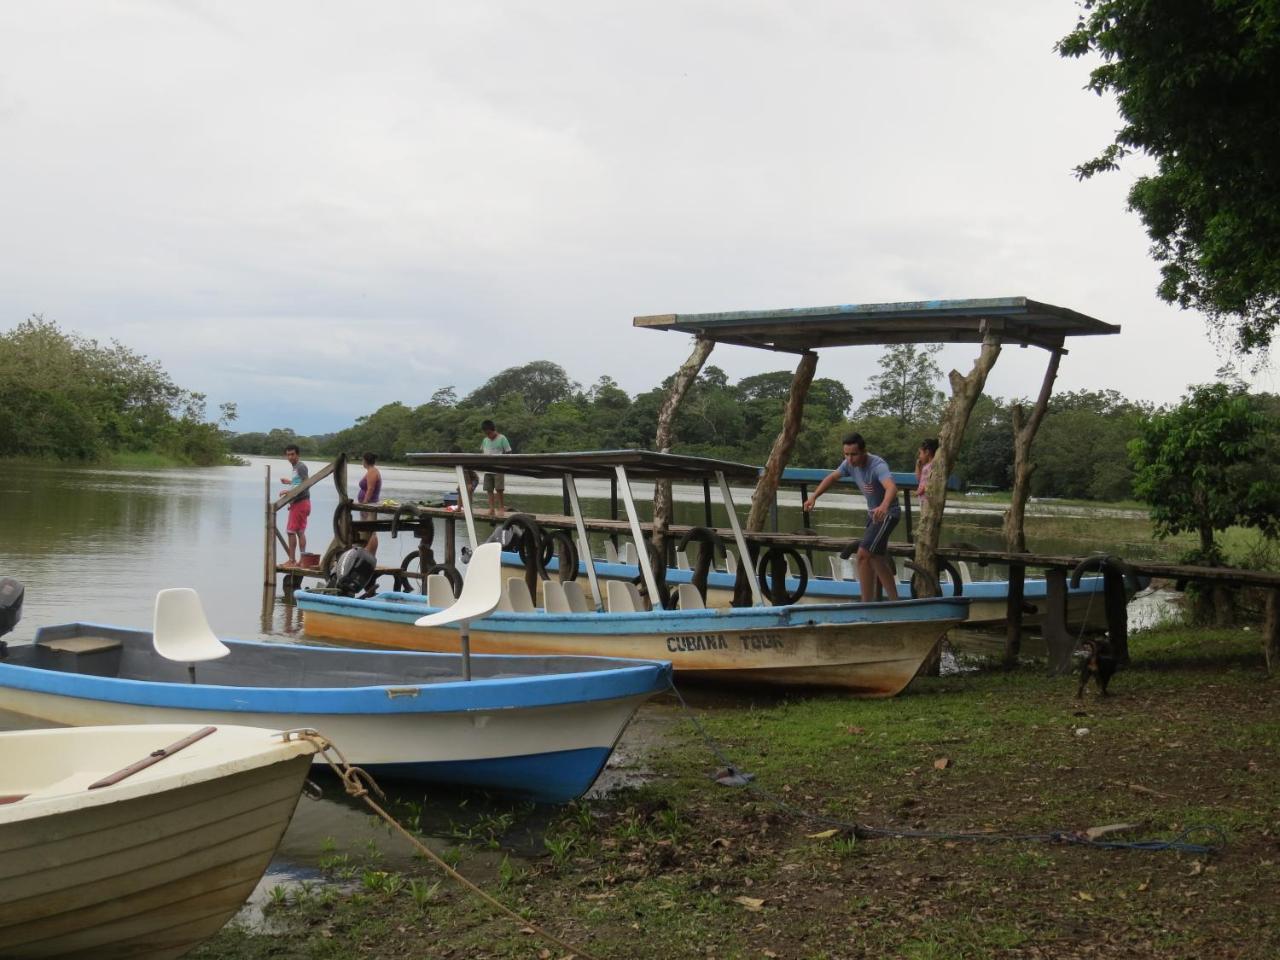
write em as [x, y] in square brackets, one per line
[154, 757]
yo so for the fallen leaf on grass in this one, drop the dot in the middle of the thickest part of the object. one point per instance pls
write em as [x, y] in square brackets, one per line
[942, 763]
[1197, 868]
[823, 834]
[751, 903]
[1085, 896]
[853, 730]
[1094, 833]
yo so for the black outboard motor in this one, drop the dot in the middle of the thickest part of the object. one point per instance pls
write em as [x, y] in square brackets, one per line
[354, 571]
[509, 537]
[10, 607]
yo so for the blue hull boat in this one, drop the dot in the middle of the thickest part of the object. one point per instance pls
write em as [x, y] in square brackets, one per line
[538, 726]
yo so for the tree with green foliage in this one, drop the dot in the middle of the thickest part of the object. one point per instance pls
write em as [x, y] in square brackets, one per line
[1197, 83]
[1209, 464]
[1081, 450]
[540, 384]
[906, 387]
[67, 397]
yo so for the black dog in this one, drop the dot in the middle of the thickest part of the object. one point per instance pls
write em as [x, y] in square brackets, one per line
[1099, 662]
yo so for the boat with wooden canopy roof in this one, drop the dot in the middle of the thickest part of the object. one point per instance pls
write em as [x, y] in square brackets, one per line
[867, 649]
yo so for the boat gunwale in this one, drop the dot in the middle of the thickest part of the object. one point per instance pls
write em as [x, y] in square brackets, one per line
[629, 678]
[182, 770]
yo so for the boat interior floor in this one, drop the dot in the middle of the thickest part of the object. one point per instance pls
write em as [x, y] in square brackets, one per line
[93, 650]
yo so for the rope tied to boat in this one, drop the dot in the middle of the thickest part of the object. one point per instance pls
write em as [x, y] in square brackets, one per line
[359, 783]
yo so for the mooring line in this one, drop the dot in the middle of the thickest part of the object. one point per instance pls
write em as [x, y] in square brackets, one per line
[358, 783]
[863, 832]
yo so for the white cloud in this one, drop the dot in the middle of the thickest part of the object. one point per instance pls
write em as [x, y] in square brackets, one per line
[316, 208]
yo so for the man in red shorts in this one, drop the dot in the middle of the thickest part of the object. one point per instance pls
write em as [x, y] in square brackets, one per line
[299, 509]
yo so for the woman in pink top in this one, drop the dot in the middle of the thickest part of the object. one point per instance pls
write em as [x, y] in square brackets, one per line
[924, 467]
[370, 491]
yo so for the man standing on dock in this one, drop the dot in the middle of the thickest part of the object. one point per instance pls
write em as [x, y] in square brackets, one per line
[872, 474]
[494, 443]
[300, 508]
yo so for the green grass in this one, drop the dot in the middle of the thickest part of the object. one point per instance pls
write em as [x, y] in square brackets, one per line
[682, 867]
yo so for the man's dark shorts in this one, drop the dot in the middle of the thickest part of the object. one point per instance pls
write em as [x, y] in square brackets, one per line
[875, 539]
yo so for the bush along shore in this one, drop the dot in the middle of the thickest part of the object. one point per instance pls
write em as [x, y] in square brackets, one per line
[1185, 748]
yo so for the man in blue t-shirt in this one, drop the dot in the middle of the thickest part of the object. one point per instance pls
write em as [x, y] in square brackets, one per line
[872, 474]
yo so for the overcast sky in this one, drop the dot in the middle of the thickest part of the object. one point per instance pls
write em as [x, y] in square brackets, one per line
[315, 208]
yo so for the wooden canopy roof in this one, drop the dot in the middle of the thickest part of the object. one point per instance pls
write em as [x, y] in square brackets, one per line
[800, 329]
[600, 464]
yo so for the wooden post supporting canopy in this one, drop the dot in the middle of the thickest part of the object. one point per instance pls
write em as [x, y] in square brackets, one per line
[767, 486]
[964, 394]
[1024, 432]
[688, 372]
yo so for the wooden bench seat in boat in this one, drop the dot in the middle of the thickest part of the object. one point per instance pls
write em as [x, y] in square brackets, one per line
[91, 655]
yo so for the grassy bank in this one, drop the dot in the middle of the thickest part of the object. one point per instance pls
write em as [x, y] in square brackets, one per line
[683, 867]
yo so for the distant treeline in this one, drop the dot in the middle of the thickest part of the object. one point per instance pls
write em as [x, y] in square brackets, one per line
[64, 397]
[1081, 450]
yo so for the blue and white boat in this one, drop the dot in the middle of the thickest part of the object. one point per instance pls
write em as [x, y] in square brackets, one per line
[865, 649]
[538, 726]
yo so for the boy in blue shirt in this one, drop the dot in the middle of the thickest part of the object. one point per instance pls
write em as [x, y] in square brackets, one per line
[872, 475]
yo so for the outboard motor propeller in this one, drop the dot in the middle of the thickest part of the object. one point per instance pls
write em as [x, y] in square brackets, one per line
[353, 571]
[11, 593]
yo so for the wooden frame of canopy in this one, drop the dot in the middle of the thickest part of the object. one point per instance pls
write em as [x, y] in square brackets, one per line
[989, 322]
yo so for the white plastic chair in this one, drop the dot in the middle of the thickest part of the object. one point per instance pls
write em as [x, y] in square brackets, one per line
[576, 596]
[622, 596]
[515, 593]
[180, 632]
[837, 568]
[553, 597]
[730, 561]
[689, 597]
[439, 590]
[682, 560]
[610, 552]
[624, 555]
[481, 591]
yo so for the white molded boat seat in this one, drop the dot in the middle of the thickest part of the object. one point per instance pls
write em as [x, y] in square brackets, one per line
[625, 553]
[610, 552]
[553, 598]
[689, 597]
[837, 568]
[180, 631]
[621, 596]
[439, 590]
[516, 593]
[481, 590]
[730, 561]
[791, 568]
[576, 596]
[682, 560]
[963, 568]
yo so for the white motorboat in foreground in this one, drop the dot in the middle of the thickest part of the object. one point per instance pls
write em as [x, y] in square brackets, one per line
[131, 842]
